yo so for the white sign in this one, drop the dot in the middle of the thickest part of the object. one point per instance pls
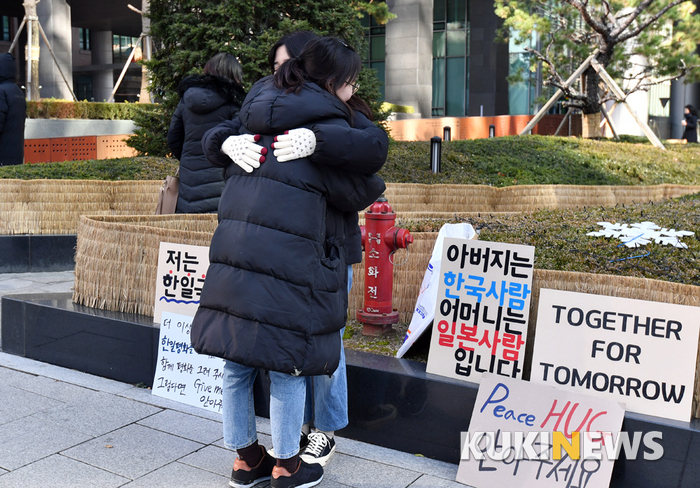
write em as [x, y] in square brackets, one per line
[524, 435]
[482, 309]
[182, 374]
[637, 352]
[181, 273]
[424, 312]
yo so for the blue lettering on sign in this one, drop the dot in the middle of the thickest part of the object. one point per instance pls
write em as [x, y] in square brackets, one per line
[501, 411]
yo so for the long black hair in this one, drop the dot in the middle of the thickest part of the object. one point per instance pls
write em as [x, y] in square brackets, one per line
[327, 61]
[293, 42]
[225, 65]
[692, 110]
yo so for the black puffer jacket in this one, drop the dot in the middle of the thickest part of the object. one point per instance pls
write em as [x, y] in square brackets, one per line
[275, 295]
[205, 101]
[361, 147]
[13, 110]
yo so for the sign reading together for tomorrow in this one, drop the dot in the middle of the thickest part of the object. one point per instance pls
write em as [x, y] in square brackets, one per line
[181, 272]
[637, 352]
[182, 374]
[482, 309]
[531, 435]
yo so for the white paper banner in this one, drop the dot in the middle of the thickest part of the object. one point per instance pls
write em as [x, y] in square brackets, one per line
[182, 374]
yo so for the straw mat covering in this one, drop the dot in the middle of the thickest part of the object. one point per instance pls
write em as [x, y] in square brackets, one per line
[408, 197]
[55, 206]
[117, 257]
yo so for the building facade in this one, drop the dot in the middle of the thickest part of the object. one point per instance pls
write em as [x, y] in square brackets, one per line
[439, 57]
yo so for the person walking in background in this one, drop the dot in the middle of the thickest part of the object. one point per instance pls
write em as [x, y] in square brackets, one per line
[276, 291]
[13, 112]
[205, 101]
[360, 148]
[690, 121]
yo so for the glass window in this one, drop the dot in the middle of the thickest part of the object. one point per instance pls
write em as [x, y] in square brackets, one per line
[439, 11]
[457, 43]
[5, 33]
[454, 86]
[84, 39]
[450, 58]
[438, 86]
[456, 14]
[521, 81]
[377, 48]
[82, 87]
[439, 44]
[374, 54]
[379, 67]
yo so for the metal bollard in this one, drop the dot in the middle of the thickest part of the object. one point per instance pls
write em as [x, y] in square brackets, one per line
[435, 153]
[492, 130]
[447, 133]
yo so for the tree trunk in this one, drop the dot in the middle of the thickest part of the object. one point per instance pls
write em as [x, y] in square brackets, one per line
[33, 45]
[591, 87]
[145, 94]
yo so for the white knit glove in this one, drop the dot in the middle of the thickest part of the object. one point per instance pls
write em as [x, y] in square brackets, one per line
[294, 144]
[244, 152]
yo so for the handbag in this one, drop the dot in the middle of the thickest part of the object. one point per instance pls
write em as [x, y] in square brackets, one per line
[167, 198]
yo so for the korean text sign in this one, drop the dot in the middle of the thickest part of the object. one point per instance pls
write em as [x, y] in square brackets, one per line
[182, 374]
[482, 309]
[181, 272]
[637, 352]
[551, 425]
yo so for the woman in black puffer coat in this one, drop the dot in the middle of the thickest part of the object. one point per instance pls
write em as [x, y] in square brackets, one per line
[275, 295]
[205, 101]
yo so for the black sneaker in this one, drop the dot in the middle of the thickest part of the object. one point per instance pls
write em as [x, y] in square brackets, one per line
[262, 472]
[303, 442]
[305, 476]
[319, 450]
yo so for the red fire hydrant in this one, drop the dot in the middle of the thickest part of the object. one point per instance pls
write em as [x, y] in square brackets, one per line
[379, 240]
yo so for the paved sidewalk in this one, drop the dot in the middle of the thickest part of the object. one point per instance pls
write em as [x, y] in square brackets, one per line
[63, 428]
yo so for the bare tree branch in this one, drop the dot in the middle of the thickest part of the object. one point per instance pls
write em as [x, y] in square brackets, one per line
[581, 7]
[649, 21]
[615, 33]
[608, 14]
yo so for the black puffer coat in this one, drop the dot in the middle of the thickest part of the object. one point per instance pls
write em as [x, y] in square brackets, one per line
[205, 101]
[275, 295]
[361, 147]
[13, 110]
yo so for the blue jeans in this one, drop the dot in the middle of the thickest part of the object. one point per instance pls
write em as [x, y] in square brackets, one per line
[287, 394]
[327, 396]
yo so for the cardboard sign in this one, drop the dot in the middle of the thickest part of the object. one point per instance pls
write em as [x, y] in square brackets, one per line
[513, 411]
[182, 374]
[637, 352]
[482, 309]
[181, 273]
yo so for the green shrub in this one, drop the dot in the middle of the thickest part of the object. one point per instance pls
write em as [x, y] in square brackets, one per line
[150, 137]
[139, 168]
[543, 160]
[63, 109]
